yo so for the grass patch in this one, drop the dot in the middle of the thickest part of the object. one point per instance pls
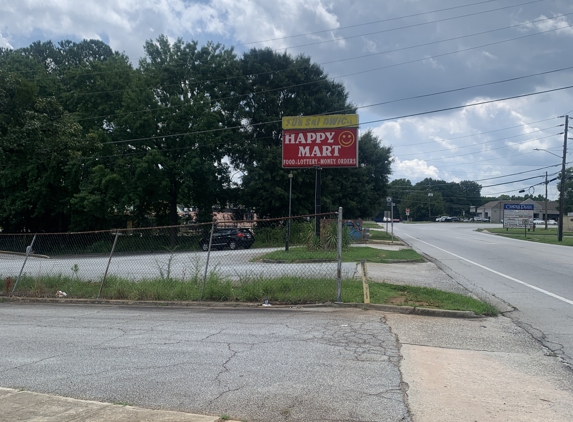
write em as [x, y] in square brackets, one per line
[380, 235]
[424, 297]
[371, 225]
[283, 290]
[539, 235]
[353, 254]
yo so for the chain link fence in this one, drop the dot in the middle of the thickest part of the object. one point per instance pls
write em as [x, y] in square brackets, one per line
[275, 259]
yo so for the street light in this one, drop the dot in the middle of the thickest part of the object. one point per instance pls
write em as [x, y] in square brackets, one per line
[429, 209]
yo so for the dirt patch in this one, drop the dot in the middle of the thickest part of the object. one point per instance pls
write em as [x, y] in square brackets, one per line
[402, 300]
[397, 300]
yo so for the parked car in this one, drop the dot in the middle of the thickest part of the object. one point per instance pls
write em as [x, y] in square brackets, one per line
[486, 219]
[478, 219]
[231, 238]
[443, 218]
[552, 222]
[538, 221]
[454, 219]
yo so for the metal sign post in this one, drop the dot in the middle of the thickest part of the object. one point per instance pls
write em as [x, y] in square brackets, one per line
[391, 205]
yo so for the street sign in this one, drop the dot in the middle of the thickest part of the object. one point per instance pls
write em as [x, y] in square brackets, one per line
[407, 211]
[320, 147]
[517, 215]
[320, 141]
[388, 200]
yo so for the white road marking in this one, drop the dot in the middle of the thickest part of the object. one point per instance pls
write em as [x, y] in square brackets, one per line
[570, 302]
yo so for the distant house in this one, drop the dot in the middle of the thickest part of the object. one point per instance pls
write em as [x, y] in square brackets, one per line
[494, 210]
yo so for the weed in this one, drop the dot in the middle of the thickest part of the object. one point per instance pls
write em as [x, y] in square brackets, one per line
[75, 270]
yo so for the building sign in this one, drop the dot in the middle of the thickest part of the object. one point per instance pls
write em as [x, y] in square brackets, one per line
[320, 122]
[517, 215]
[313, 145]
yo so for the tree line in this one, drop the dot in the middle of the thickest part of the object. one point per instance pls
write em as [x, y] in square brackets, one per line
[88, 141]
[430, 198]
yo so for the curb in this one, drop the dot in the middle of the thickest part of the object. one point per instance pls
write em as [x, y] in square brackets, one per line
[173, 304]
[32, 255]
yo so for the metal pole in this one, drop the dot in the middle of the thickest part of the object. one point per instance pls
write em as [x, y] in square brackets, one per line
[317, 206]
[289, 211]
[562, 193]
[545, 201]
[28, 251]
[392, 220]
[339, 264]
[208, 256]
[108, 262]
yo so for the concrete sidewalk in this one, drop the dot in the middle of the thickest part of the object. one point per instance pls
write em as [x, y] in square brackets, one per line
[18, 405]
[486, 370]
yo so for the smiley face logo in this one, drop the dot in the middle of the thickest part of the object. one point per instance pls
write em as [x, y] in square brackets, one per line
[346, 139]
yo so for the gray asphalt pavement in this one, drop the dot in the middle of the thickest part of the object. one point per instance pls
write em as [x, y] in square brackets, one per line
[258, 365]
[532, 280]
[235, 265]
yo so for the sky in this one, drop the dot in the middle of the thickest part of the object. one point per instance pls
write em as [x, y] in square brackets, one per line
[430, 78]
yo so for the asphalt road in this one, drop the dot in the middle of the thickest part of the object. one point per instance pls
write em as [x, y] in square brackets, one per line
[235, 265]
[534, 281]
[262, 364]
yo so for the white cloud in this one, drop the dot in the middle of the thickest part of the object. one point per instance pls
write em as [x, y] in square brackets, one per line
[4, 43]
[560, 23]
[413, 169]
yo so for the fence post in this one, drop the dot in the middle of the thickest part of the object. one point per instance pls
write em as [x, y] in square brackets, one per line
[28, 251]
[108, 262]
[208, 256]
[339, 264]
[365, 285]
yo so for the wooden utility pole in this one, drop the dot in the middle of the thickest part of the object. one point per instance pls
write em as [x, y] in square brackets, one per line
[562, 193]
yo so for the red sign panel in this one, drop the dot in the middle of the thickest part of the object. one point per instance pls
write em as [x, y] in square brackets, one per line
[320, 148]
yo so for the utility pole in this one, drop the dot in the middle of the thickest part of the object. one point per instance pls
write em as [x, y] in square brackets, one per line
[562, 193]
[545, 201]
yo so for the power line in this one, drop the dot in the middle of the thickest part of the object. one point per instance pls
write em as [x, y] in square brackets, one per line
[515, 174]
[362, 124]
[469, 105]
[366, 23]
[352, 74]
[488, 142]
[407, 26]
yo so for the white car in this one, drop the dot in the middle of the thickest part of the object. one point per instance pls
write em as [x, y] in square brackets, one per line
[538, 221]
[552, 222]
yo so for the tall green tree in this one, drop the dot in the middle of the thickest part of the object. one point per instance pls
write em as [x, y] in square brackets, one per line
[422, 206]
[278, 85]
[172, 136]
[398, 189]
[40, 147]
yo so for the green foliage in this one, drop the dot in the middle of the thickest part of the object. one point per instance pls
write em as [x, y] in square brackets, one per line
[88, 142]
[354, 254]
[422, 206]
[283, 290]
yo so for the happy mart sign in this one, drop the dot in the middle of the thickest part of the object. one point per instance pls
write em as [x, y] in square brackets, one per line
[308, 141]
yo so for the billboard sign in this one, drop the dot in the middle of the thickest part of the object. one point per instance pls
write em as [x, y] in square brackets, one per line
[517, 215]
[320, 122]
[308, 141]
